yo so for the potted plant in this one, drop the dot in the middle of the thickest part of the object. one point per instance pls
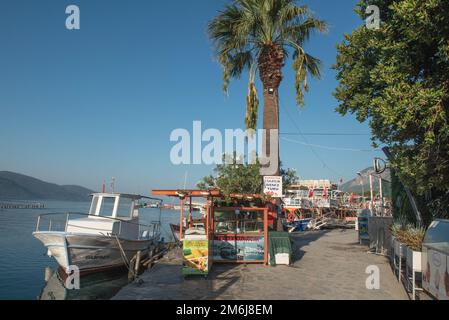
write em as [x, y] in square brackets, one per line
[398, 231]
[413, 239]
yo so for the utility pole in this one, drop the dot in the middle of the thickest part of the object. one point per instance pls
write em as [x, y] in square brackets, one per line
[381, 195]
[371, 191]
[113, 184]
[363, 188]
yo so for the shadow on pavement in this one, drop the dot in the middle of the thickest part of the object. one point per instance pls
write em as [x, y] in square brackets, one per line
[301, 239]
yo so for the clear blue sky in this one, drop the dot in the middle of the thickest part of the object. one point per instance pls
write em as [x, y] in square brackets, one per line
[78, 107]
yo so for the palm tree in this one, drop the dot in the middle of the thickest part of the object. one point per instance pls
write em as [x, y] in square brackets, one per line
[257, 36]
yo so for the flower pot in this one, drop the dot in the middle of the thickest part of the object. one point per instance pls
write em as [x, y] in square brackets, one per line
[413, 259]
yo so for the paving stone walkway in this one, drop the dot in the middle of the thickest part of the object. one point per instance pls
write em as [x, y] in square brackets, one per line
[327, 265]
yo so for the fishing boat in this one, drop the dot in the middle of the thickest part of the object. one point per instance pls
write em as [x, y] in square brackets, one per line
[313, 204]
[109, 236]
[197, 225]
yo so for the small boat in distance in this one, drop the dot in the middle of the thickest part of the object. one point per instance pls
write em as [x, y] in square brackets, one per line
[197, 224]
[109, 236]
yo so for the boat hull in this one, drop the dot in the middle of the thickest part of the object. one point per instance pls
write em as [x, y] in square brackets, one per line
[92, 253]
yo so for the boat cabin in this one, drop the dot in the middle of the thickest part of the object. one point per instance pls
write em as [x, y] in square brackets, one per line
[309, 194]
[114, 205]
[109, 214]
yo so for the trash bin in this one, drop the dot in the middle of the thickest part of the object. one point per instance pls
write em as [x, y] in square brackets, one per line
[279, 248]
[435, 260]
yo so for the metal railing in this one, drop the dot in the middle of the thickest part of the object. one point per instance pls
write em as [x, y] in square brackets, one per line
[59, 222]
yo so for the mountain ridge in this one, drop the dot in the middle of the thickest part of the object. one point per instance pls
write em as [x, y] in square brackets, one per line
[355, 186]
[16, 186]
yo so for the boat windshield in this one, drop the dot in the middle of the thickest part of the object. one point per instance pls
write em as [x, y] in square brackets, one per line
[107, 207]
[125, 207]
[93, 206]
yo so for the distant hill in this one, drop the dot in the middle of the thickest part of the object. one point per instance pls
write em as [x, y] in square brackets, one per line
[15, 186]
[355, 186]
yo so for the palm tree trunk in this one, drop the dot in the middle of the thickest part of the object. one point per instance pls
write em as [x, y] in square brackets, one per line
[270, 62]
[270, 122]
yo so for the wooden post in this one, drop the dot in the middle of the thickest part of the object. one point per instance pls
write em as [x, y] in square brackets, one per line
[137, 266]
[132, 264]
[381, 196]
[207, 220]
[48, 273]
[212, 228]
[265, 213]
[181, 218]
[190, 221]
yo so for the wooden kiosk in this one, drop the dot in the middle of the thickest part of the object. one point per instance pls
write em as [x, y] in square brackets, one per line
[225, 234]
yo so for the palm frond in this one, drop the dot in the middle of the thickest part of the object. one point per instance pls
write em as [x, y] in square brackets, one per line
[300, 32]
[304, 64]
[252, 102]
[244, 29]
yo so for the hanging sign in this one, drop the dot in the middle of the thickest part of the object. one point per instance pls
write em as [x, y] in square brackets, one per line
[272, 186]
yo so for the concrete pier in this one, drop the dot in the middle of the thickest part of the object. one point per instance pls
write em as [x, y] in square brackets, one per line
[327, 265]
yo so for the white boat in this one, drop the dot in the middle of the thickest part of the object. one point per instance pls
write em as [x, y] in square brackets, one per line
[108, 236]
[310, 194]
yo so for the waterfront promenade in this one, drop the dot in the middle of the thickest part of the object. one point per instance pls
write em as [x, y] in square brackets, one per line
[327, 265]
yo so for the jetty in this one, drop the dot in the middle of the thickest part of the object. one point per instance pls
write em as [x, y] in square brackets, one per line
[6, 205]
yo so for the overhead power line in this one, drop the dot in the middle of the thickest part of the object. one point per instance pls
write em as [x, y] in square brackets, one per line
[323, 134]
[307, 142]
[328, 147]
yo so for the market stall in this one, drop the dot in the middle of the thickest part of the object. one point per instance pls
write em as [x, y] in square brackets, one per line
[225, 234]
[240, 234]
[194, 234]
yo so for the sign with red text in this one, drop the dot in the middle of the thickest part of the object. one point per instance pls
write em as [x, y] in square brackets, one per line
[272, 186]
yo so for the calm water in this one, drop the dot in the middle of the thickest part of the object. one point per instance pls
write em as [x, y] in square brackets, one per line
[23, 258]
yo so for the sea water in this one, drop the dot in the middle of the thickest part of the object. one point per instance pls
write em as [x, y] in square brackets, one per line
[23, 258]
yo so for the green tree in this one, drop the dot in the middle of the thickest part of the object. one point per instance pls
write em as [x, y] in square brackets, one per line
[241, 178]
[256, 36]
[397, 78]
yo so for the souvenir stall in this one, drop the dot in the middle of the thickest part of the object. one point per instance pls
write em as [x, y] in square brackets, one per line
[195, 235]
[236, 233]
[240, 234]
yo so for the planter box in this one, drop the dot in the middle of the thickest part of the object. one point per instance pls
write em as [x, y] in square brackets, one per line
[414, 260]
[399, 249]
